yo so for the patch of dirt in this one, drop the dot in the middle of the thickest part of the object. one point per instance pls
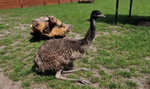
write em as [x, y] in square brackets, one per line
[6, 83]
[22, 26]
[6, 54]
[114, 32]
[97, 34]
[96, 85]
[15, 43]
[2, 47]
[4, 33]
[114, 27]
[104, 33]
[108, 71]
[147, 58]
[96, 73]
[144, 22]
[40, 86]
[1, 19]
[142, 82]
[93, 48]
[74, 35]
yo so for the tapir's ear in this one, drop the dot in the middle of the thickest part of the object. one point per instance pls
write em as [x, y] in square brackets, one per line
[49, 19]
[34, 23]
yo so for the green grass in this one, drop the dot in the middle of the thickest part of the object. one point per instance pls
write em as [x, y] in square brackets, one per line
[131, 84]
[121, 54]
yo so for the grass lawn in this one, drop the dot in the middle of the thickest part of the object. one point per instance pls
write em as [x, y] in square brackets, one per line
[121, 59]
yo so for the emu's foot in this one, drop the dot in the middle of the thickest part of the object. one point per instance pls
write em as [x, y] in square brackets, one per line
[85, 82]
[85, 69]
[71, 71]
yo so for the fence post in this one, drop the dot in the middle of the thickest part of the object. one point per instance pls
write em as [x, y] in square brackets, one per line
[44, 2]
[59, 2]
[21, 3]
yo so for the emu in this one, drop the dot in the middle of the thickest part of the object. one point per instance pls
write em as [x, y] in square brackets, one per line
[56, 55]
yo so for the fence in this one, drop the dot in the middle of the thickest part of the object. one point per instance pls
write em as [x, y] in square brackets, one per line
[7, 4]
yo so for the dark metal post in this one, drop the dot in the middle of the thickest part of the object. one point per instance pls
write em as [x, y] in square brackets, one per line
[130, 9]
[116, 16]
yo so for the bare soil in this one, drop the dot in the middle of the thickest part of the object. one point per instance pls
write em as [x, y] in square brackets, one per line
[143, 82]
[22, 26]
[6, 83]
[40, 86]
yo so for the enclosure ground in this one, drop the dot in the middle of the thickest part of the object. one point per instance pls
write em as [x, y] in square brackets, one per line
[119, 57]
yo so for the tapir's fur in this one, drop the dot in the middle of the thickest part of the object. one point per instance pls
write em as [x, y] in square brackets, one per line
[49, 27]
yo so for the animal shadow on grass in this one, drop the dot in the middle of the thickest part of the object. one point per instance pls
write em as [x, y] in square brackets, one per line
[124, 19]
[39, 38]
[46, 73]
[42, 74]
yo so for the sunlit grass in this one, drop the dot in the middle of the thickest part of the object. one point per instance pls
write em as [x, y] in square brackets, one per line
[122, 51]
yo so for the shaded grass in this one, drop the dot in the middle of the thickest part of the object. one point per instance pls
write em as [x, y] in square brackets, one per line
[121, 50]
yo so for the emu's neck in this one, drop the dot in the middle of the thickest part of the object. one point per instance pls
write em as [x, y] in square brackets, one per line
[90, 33]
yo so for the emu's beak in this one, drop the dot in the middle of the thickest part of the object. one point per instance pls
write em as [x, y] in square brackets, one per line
[102, 16]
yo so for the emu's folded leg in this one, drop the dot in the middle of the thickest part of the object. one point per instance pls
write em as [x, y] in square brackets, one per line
[71, 71]
[59, 76]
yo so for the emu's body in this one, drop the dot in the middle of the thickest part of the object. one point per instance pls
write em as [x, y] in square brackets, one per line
[56, 54]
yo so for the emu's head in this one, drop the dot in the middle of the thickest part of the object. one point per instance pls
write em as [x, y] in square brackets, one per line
[96, 14]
